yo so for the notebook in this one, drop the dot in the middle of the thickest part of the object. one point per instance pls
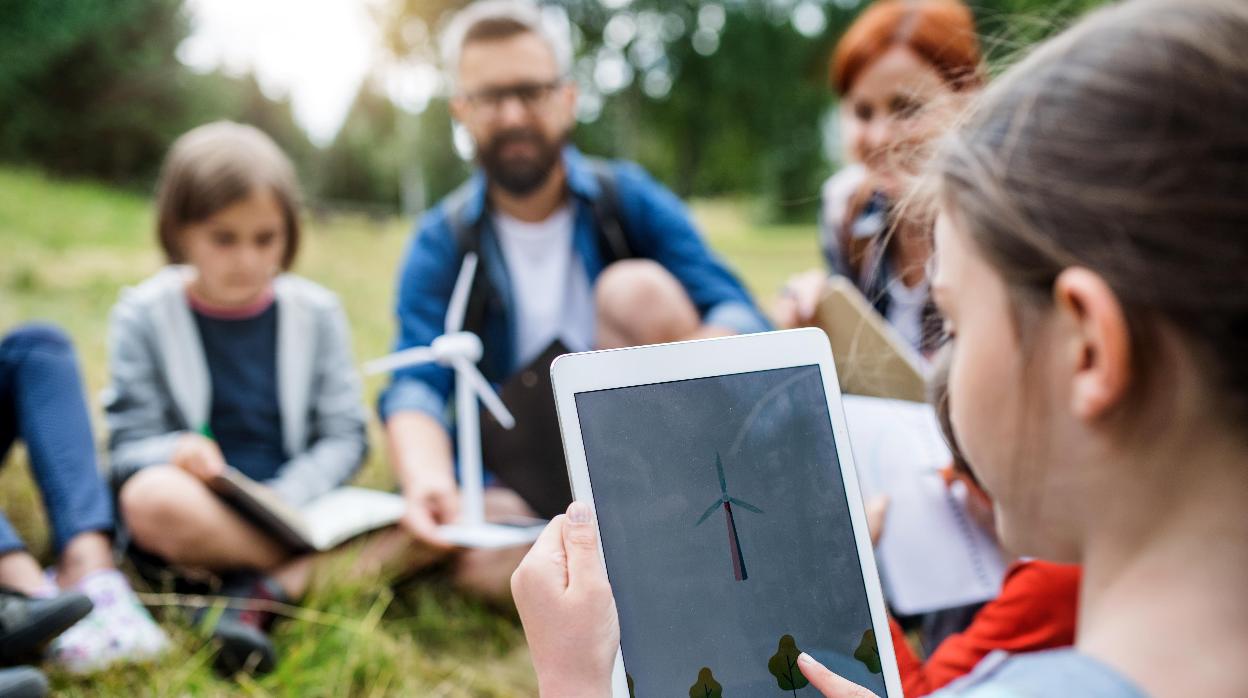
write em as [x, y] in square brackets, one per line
[932, 555]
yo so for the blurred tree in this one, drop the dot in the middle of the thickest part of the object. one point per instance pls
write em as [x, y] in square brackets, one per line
[703, 94]
[211, 96]
[436, 163]
[358, 165]
[713, 96]
[92, 85]
[95, 87]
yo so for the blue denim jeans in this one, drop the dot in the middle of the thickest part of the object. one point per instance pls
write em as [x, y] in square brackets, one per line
[42, 403]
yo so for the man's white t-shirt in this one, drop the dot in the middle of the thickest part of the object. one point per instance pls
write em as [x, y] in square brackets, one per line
[551, 290]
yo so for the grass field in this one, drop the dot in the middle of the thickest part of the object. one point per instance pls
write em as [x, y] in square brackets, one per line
[67, 248]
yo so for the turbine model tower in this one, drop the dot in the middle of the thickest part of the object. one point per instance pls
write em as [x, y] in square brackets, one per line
[734, 542]
[460, 350]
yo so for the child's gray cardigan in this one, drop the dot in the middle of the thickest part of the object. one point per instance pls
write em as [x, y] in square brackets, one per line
[160, 386]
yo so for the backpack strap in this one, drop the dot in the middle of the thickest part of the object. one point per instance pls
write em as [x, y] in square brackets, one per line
[467, 235]
[613, 242]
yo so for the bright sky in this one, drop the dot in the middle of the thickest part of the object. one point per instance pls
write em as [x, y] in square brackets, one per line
[316, 51]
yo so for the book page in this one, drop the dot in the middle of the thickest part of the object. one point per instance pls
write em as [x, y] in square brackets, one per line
[347, 512]
[931, 556]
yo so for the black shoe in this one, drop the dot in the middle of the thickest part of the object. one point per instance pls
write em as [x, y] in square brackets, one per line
[22, 682]
[27, 624]
[241, 630]
[244, 648]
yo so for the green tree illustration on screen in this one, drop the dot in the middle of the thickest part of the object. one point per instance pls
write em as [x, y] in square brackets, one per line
[707, 686]
[869, 653]
[783, 666]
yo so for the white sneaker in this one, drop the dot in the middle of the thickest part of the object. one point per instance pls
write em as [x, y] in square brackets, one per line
[118, 630]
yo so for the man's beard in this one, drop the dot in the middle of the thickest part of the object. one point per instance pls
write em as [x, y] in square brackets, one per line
[519, 176]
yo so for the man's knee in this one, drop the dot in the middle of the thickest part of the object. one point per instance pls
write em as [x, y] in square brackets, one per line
[154, 505]
[635, 284]
[642, 299]
[486, 574]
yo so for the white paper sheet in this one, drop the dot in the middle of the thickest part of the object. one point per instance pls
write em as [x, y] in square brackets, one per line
[932, 555]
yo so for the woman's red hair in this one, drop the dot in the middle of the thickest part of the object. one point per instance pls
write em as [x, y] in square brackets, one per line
[941, 32]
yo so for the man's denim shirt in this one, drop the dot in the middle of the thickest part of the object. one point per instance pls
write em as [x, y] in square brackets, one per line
[658, 228]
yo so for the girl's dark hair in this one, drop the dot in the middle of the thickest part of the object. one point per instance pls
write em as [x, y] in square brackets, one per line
[938, 397]
[213, 166]
[1122, 147]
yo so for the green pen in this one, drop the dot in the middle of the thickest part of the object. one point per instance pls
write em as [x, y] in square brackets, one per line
[206, 431]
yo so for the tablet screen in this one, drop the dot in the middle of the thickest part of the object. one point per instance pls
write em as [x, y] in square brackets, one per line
[727, 536]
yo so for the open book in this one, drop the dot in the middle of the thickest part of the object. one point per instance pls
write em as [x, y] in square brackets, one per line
[322, 524]
[871, 358]
[346, 512]
[932, 555]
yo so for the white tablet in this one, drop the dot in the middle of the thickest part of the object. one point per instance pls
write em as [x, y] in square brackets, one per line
[730, 518]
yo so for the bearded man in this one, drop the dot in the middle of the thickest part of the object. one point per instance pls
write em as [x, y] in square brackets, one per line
[575, 254]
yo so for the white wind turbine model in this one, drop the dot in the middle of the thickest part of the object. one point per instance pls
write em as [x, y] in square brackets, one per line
[461, 350]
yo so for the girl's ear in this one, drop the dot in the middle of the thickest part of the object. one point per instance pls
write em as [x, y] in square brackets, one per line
[1097, 348]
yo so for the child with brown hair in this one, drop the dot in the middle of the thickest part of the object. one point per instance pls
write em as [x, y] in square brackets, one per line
[224, 359]
[1035, 610]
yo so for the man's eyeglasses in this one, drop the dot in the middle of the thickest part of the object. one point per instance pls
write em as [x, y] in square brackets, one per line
[530, 95]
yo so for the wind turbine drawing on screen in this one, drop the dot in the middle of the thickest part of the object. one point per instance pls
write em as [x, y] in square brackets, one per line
[725, 501]
[460, 350]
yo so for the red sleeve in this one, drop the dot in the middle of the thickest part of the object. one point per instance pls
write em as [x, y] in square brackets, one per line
[913, 676]
[1036, 610]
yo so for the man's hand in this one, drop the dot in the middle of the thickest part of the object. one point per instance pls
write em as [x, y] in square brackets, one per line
[420, 451]
[431, 503]
[199, 455]
[565, 603]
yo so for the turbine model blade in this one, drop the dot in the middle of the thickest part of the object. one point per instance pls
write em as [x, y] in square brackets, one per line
[464, 370]
[743, 505]
[719, 467]
[400, 359]
[459, 296]
[708, 513]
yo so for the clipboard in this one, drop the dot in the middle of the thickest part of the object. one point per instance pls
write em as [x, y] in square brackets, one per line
[871, 357]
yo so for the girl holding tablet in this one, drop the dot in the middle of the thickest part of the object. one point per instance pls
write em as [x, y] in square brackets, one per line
[1090, 248]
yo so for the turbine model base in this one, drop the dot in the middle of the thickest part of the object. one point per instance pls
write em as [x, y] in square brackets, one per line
[489, 536]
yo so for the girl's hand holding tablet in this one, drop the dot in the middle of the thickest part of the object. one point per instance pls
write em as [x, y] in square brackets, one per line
[569, 616]
[565, 603]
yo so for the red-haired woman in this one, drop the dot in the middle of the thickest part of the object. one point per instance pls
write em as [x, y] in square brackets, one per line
[899, 71]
